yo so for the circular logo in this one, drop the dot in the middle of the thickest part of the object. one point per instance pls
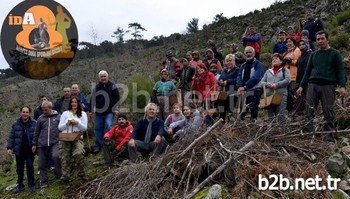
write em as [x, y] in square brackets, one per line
[39, 39]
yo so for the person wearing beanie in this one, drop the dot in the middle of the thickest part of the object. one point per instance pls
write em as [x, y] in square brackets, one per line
[305, 36]
[115, 141]
[281, 46]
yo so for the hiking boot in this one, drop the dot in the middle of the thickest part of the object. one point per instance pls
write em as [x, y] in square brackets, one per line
[19, 189]
[66, 184]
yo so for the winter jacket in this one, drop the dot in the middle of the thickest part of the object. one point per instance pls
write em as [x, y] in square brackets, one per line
[98, 98]
[205, 86]
[16, 139]
[281, 80]
[186, 77]
[302, 64]
[120, 134]
[46, 130]
[139, 132]
[280, 47]
[256, 74]
[294, 55]
[253, 40]
[230, 77]
[313, 26]
[37, 112]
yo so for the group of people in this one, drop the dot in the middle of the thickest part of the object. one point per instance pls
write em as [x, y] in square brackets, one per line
[302, 76]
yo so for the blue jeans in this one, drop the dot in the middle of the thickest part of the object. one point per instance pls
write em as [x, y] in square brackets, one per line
[103, 123]
[27, 158]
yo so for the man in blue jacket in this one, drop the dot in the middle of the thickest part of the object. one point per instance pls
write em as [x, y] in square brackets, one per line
[20, 144]
[147, 134]
[248, 79]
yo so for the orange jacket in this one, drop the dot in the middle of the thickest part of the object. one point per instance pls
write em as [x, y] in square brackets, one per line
[293, 68]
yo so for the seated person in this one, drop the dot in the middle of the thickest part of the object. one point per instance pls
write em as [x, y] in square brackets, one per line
[191, 123]
[116, 140]
[147, 135]
[174, 117]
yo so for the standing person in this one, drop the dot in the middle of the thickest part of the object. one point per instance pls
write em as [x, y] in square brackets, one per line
[20, 144]
[38, 110]
[324, 71]
[74, 120]
[75, 90]
[62, 103]
[227, 82]
[204, 82]
[147, 135]
[312, 24]
[253, 39]
[116, 140]
[305, 35]
[45, 141]
[277, 79]
[196, 59]
[105, 104]
[302, 62]
[281, 46]
[174, 66]
[248, 79]
[211, 59]
[217, 54]
[290, 58]
[186, 77]
[162, 89]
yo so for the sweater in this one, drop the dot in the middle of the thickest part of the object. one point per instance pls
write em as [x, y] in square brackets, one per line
[325, 67]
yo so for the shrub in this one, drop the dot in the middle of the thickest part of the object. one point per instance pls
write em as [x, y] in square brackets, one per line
[341, 17]
[340, 41]
[140, 89]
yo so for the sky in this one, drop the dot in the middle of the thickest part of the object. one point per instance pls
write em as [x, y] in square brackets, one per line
[158, 17]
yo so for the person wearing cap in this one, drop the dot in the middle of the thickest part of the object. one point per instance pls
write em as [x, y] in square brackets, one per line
[147, 136]
[162, 90]
[324, 71]
[291, 32]
[174, 66]
[217, 54]
[104, 104]
[312, 24]
[196, 59]
[115, 141]
[253, 39]
[281, 46]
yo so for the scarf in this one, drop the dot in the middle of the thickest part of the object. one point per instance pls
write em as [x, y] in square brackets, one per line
[149, 129]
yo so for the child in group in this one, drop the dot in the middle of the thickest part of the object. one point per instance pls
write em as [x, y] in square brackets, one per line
[174, 117]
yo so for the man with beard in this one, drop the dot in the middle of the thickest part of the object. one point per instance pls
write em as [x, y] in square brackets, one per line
[116, 141]
[248, 79]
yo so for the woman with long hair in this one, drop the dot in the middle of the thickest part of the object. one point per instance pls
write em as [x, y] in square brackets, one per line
[74, 120]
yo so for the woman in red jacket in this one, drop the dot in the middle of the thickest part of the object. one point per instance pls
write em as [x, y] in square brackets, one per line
[204, 82]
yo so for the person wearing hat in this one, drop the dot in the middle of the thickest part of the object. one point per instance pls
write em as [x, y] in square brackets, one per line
[281, 46]
[162, 90]
[312, 24]
[115, 141]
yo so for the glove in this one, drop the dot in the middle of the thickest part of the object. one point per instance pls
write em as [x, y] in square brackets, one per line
[107, 140]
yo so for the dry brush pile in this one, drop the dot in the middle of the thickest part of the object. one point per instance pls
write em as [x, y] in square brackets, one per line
[232, 155]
